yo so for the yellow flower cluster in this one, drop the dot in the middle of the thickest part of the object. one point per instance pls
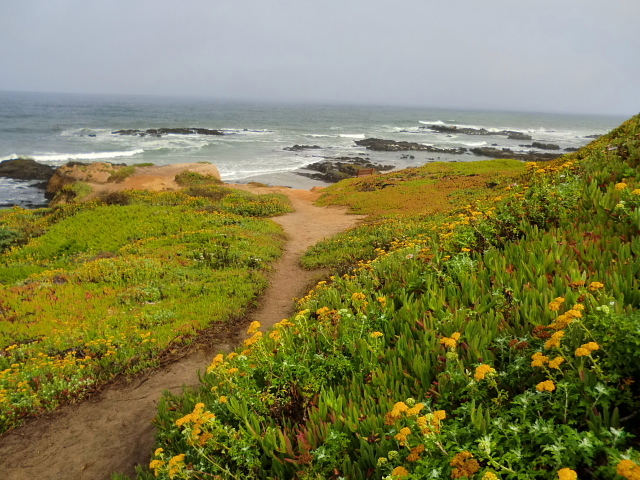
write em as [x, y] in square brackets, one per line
[546, 386]
[430, 423]
[628, 469]
[554, 341]
[586, 349]
[465, 466]
[450, 342]
[620, 186]
[198, 418]
[482, 371]
[567, 474]
[555, 305]
[376, 334]
[593, 286]
[489, 475]
[399, 472]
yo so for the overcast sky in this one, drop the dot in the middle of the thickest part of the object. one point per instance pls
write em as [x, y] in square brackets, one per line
[578, 56]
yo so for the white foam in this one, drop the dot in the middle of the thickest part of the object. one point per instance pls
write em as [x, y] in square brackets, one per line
[435, 122]
[62, 157]
[474, 144]
[354, 135]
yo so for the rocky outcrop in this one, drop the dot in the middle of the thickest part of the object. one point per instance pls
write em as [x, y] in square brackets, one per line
[334, 169]
[158, 132]
[545, 146]
[106, 178]
[508, 153]
[298, 148]
[479, 131]
[394, 146]
[25, 169]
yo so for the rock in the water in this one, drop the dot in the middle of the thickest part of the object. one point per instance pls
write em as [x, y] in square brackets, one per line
[297, 148]
[508, 153]
[380, 145]
[334, 169]
[25, 169]
[545, 146]
[479, 131]
[158, 132]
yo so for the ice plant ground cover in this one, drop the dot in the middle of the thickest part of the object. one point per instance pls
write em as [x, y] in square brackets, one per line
[91, 290]
[499, 341]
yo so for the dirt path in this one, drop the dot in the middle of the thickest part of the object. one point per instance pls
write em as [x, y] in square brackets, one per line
[111, 431]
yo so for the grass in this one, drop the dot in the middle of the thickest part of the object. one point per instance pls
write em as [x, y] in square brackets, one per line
[498, 340]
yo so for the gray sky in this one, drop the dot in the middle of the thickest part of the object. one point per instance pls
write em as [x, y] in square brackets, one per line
[541, 55]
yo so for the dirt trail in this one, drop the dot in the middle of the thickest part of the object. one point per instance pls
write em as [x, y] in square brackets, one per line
[111, 431]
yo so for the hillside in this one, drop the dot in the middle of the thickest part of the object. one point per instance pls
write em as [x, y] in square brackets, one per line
[498, 339]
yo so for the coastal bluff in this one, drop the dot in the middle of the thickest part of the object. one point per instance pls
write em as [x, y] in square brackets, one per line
[100, 178]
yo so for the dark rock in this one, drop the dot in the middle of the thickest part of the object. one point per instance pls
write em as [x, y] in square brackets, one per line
[479, 131]
[545, 146]
[394, 146]
[571, 149]
[297, 148]
[25, 169]
[518, 136]
[508, 153]
[158, 132]
[593, 136]
[334, 169]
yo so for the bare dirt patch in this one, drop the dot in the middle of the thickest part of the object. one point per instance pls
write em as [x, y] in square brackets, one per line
[111, 431]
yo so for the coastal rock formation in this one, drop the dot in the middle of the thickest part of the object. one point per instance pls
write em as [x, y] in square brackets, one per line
[104, 177]
[513, 135]
[380, 145]
[545, 146]
[508, 153]
[158, 132]
[298, 148]
[25, 169]
[334, 169]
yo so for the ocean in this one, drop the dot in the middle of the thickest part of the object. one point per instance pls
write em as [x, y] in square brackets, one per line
[57, 128]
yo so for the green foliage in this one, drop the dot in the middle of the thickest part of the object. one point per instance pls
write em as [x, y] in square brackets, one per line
[122, 173]
[498, 341]
[193, 179]
[99, 289]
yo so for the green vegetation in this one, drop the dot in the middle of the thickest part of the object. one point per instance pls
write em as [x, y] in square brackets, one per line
[122, 173]
[89, 290]
[192, 179]
[400, 205]
[499, 340]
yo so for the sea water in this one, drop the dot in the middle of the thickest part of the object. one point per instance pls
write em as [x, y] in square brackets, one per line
[57, 128]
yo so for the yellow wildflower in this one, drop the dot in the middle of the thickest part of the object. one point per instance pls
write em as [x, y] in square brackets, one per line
[376, 334]
[400, 407]
[223, 399]
[556, 362]
[636, 192]
[440, 415]
[253, 328]
[567, 474]
[593, 286]
[400, 472]
[402, 435]
[546, 386]
[465, 466]
[489, 476]
[358, 296]
[276, 335]
[591, 346]
[158, 451]
[482, 371]
[554, 341]
[539, 360]
[415, 410]
[620, 186]
[233, 370]
[414, 455]
[628, 469]
[555, 305]
[582, 352]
